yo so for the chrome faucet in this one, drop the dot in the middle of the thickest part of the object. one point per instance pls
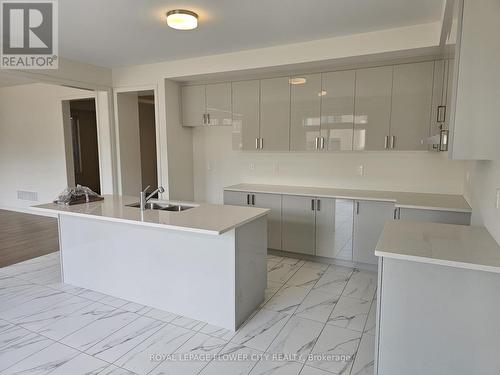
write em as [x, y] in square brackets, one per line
[145, 198]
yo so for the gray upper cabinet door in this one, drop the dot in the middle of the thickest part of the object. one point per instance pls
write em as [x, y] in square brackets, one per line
[411, 105]
[369, 220]
[372, 108]
[298, 226]
[438, 96]
[245, 98]
[272, 202]
[218, 100]
[325, 227]
[193, 105]
[305, 112]
[337, 110]
[275, 114]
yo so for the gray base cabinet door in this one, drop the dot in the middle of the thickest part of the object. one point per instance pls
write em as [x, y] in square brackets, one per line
[270, 201]
[369, 221]
[325, 227]
[298, 214]
[433, 216]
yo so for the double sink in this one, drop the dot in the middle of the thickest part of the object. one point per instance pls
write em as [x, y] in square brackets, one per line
[162, 206]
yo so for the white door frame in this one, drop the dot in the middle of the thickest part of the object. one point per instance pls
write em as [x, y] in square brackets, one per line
[118, 90]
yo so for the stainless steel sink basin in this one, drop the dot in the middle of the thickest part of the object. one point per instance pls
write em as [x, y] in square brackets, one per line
[161, 206]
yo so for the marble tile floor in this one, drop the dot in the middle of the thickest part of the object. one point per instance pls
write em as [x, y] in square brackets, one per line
[317, 319]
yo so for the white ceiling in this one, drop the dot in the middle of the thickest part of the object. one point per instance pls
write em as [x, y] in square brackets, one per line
[126, 32]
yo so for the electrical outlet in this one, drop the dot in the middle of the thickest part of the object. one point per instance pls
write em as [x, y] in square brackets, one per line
[209, 166]
[497, 204]
[360, 170]
[252, 166]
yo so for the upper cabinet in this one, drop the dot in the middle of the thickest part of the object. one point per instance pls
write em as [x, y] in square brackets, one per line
[411, 106]
[206, 104]
[372, 117]
[475, 124]
[337, 110]
[305, 112]
[193, 105]
[275, 114]
[394, 107]
[246, 104]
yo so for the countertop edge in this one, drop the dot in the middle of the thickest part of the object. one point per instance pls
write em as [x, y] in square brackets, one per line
[354, 197]
[440, 262]
[153, 225]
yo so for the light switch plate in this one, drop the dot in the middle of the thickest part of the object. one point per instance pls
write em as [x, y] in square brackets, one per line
[252, 166]
[360, 170]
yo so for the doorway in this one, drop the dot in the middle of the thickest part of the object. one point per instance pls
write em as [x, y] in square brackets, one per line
[136, 114]
[84, 142]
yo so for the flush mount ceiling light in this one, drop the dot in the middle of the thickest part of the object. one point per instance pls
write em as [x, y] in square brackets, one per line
[181, 19]
[297, 80]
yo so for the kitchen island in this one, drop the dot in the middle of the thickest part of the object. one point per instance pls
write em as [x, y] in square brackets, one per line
[437, 300]
[207, 262]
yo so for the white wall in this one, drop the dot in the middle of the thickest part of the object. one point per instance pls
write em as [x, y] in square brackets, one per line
[403, 171]
[485, 180]
[32, 152]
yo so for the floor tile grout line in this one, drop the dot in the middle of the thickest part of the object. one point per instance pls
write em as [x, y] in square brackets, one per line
[362, 334]
[324, 326]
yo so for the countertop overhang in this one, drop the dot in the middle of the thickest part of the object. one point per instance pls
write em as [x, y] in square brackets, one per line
[210, 219]
[459, 246]
[423, 201]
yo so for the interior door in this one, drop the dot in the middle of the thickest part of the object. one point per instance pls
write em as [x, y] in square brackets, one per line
[272, 202]
[369, 221]
[275, 114]
[305, 112]
[193, 105]
[337, 109]
[411, 105]
[372, 116]
[298, 224]
[245, 98]
[219, 104]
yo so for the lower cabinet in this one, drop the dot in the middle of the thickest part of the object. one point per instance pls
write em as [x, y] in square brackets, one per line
[270, 201]
[369, 220]
[433, 216]
[299, 224]
[318, 226]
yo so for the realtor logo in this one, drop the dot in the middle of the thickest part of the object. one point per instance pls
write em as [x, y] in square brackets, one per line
[29, 34]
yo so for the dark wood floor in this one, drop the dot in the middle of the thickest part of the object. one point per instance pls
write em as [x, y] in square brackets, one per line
[25, 236]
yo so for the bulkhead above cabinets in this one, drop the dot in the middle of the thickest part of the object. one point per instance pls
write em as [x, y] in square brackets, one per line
[382, 108]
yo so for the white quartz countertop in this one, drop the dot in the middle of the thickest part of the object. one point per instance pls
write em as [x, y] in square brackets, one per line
[204, 218]
[428, 201]
[444, 244]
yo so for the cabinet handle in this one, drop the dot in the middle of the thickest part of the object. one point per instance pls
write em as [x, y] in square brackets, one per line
[395, 214]
[253, 199]
[386, 142]
[204, 119]
[393, 141]
[399, 213]
[312, 204]
[261, 143]
[318, 205]
[322, 143]
[208, 118]
[257, 143]
[357, 208]
[316, 145]
[441, 113]
[248, 199]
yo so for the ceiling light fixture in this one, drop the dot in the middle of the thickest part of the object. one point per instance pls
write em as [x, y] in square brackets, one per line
[322, 93]
[297, 80]
[181, 19]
